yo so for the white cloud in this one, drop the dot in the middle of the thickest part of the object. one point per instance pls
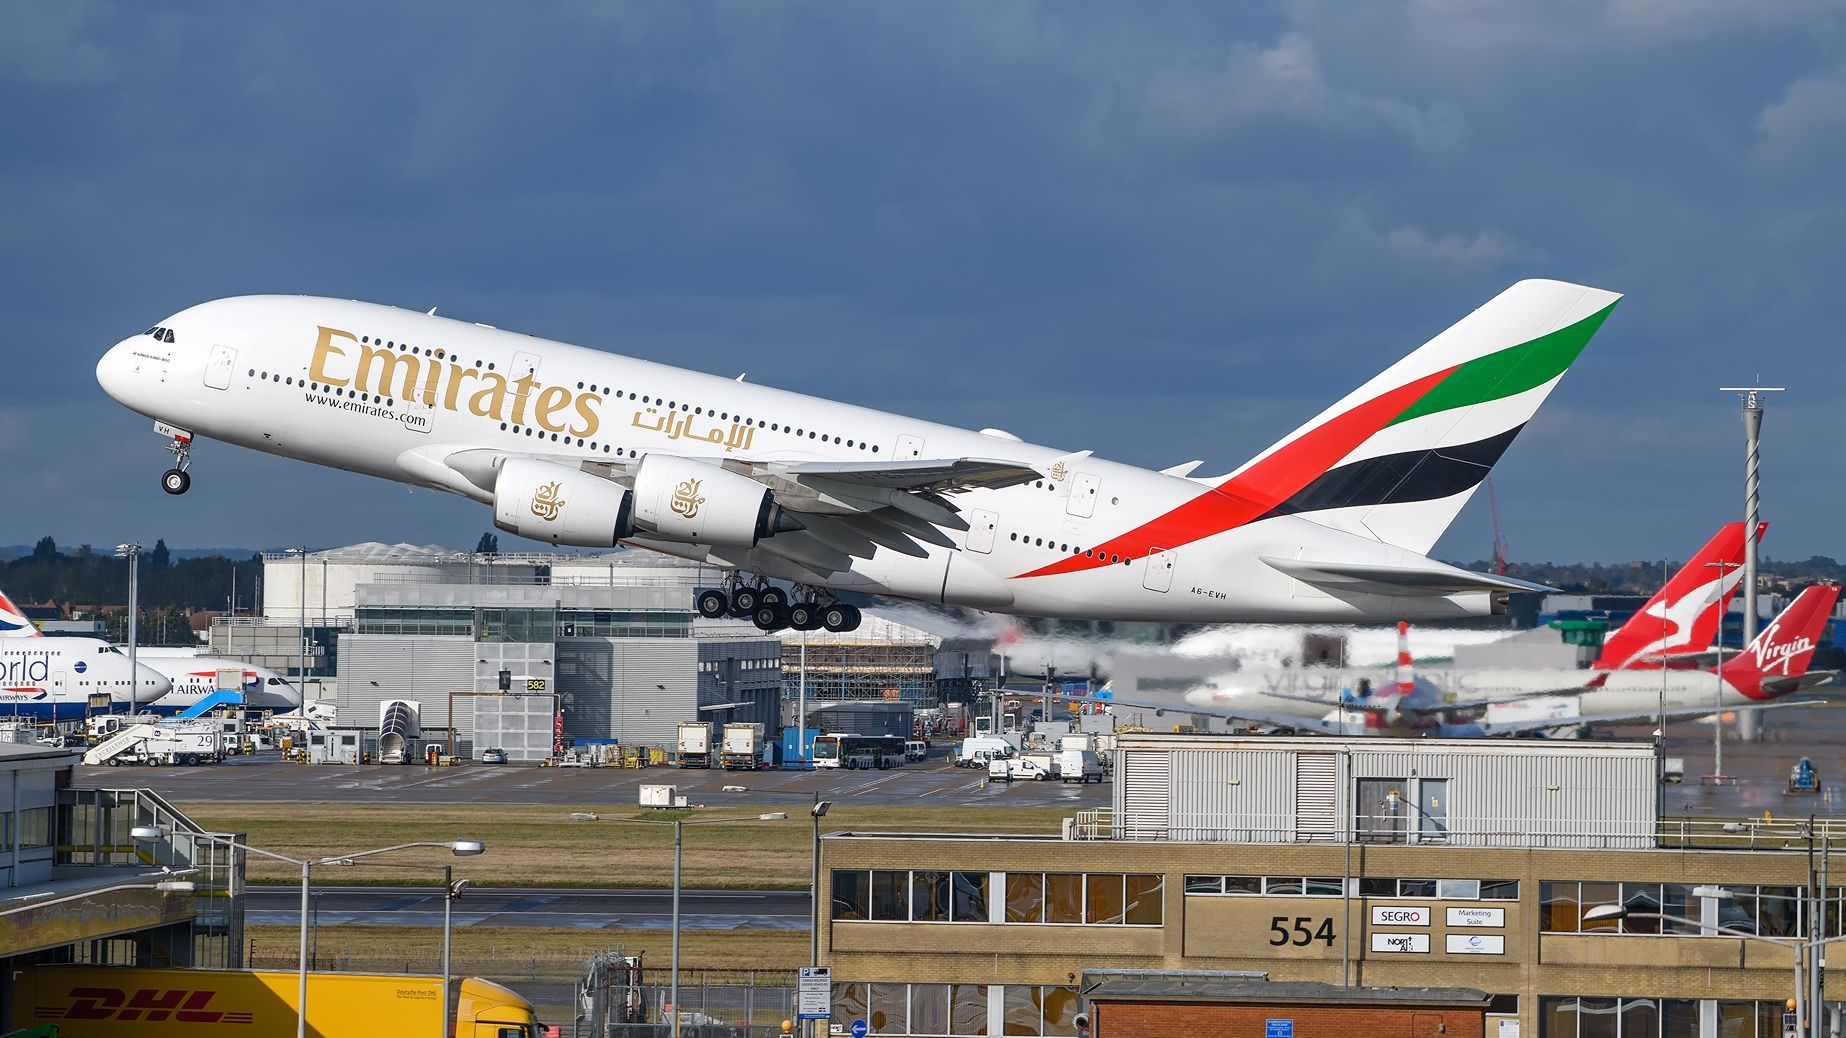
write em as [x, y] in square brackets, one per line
[1285, 86]
[50, 44]
[1807, 123]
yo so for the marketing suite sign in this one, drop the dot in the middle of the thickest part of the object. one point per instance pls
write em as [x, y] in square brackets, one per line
[1477, 916]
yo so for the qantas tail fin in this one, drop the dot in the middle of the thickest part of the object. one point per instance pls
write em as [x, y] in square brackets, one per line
[1682, 617]
[13, 622]
[1396, 459]
[1777, 661]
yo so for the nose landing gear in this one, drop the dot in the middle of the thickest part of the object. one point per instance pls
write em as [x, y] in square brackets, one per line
[176, 480]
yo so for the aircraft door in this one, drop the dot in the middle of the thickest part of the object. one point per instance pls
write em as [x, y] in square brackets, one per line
[1083, 489]
[982, 526]
[524, 363]
[1159, 574]
[908, 447]
[218, 367]
[59, 682]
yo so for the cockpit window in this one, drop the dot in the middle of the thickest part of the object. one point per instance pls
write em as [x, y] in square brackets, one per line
[160, 334]
[168, 337]
[277, 681]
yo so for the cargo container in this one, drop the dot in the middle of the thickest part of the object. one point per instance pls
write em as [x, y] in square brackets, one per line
[129, 1002]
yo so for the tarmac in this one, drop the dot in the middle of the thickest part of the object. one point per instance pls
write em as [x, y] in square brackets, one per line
[264, 778]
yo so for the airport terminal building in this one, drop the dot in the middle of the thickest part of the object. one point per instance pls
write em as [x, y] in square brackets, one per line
[1429, 864]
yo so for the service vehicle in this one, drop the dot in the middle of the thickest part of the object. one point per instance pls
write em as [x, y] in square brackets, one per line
[695, 744]
[976, 750]
[742, 749]
[1034, 766]
[1803, 778]
[107, 1001]
[1079, 765]
[916, 750]
[493, 755]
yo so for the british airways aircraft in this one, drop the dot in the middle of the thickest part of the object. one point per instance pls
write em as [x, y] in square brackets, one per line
[575, 446]
[52, 679]
[195, 678]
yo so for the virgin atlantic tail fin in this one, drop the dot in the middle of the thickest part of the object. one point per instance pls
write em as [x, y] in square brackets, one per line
[1776, 663]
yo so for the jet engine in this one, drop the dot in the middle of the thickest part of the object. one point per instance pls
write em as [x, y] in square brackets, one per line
[562, 504]
[683, 499]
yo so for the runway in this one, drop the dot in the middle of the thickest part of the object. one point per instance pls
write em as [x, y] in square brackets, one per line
[559, 907]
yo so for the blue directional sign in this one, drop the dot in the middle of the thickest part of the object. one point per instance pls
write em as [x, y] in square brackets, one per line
[859, 1030]
[1278, 1029]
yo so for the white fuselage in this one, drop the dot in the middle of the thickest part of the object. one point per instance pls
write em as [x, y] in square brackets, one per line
[304, 378]
[196, 677]
[53, 678]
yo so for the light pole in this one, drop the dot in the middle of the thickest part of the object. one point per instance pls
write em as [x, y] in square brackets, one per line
[678, 825]
[132, 552]
[459, 848]
[302, 615]
[451, 889]
[817, 812]
[1717, 776]
[1749, 722]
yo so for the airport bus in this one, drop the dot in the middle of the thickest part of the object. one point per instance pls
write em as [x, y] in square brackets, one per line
[845, 750]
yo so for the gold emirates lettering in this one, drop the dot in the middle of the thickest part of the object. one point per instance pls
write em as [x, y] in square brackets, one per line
[436, 382]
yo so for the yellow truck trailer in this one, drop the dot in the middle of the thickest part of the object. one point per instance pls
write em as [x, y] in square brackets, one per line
[129, 1002]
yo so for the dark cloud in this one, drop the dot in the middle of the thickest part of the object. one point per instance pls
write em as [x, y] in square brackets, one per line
[1156, 232]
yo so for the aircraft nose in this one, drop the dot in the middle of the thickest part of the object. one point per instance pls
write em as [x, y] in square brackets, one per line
[114, 369]
[150, 684]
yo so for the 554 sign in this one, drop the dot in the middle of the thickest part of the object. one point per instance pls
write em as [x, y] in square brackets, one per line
[1300, 931]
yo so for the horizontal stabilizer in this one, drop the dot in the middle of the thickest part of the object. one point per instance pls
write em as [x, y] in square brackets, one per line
[1435, 578]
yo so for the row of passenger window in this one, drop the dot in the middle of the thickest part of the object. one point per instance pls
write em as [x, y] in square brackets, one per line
[1058, 898]
[1330, 886]
[1068, 549]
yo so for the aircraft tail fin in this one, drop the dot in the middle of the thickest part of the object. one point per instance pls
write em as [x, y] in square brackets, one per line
[1397, 458]
[13, 622]
[1683, 615]
[1781, 653]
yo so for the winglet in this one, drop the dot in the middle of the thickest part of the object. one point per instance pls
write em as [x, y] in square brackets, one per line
[1183, 469]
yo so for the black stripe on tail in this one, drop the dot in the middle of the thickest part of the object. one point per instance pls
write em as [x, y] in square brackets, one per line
[1393, 479]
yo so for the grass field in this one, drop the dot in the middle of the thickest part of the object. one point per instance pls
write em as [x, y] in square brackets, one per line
[510, 950]
[540, 846]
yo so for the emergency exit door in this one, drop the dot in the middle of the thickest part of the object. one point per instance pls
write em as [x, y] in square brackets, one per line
[1159, 575]
[982, 527]
[908, 447]
[1083, 489]
[218, 367]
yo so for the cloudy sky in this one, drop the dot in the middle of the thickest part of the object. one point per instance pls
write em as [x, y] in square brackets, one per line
[1160, 232]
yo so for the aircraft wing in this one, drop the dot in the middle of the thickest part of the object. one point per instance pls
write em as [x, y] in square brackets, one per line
[1783, 686]
[1433, 578]
[1680, 714]
[936, 476]
[1373, 704]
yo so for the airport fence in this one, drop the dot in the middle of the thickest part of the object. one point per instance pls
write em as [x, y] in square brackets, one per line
[613, 997]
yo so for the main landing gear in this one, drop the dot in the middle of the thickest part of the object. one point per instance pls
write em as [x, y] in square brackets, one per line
[176, 480]
[768, 607]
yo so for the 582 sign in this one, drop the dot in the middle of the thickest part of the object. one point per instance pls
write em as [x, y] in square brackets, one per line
[1300, 931]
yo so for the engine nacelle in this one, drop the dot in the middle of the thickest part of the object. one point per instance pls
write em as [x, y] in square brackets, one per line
[683, 499]
[561, 504]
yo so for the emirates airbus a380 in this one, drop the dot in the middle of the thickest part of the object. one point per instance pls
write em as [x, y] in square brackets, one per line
[581, 447]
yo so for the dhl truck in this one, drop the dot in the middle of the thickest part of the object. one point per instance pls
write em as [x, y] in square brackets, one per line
[129, 1002]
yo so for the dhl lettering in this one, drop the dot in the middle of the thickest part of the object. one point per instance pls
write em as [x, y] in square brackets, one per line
[434, 381]
[145, 1004]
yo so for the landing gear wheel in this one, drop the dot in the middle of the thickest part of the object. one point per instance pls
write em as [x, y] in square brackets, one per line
[173, 481]
[713, 604]
[773, 595]
[744, 601]
[804, 616]
[771, 617]
[840, 618]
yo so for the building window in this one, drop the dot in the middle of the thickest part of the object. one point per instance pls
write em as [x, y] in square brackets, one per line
[1070, 898]
[1562, 905]
[968, 1009]
[1586, 1017]
[35, 827]
[852, 894]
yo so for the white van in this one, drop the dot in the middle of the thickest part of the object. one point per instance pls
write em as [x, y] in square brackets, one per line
[976, 751]
[1079, 766]
[915, 750]
[1033, 766]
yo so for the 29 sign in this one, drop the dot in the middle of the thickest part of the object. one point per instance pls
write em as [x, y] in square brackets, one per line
[1299, 934]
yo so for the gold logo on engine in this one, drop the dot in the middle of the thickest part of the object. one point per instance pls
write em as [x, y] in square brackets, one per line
[1058, 472]
[686, 499]
[546, 504]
